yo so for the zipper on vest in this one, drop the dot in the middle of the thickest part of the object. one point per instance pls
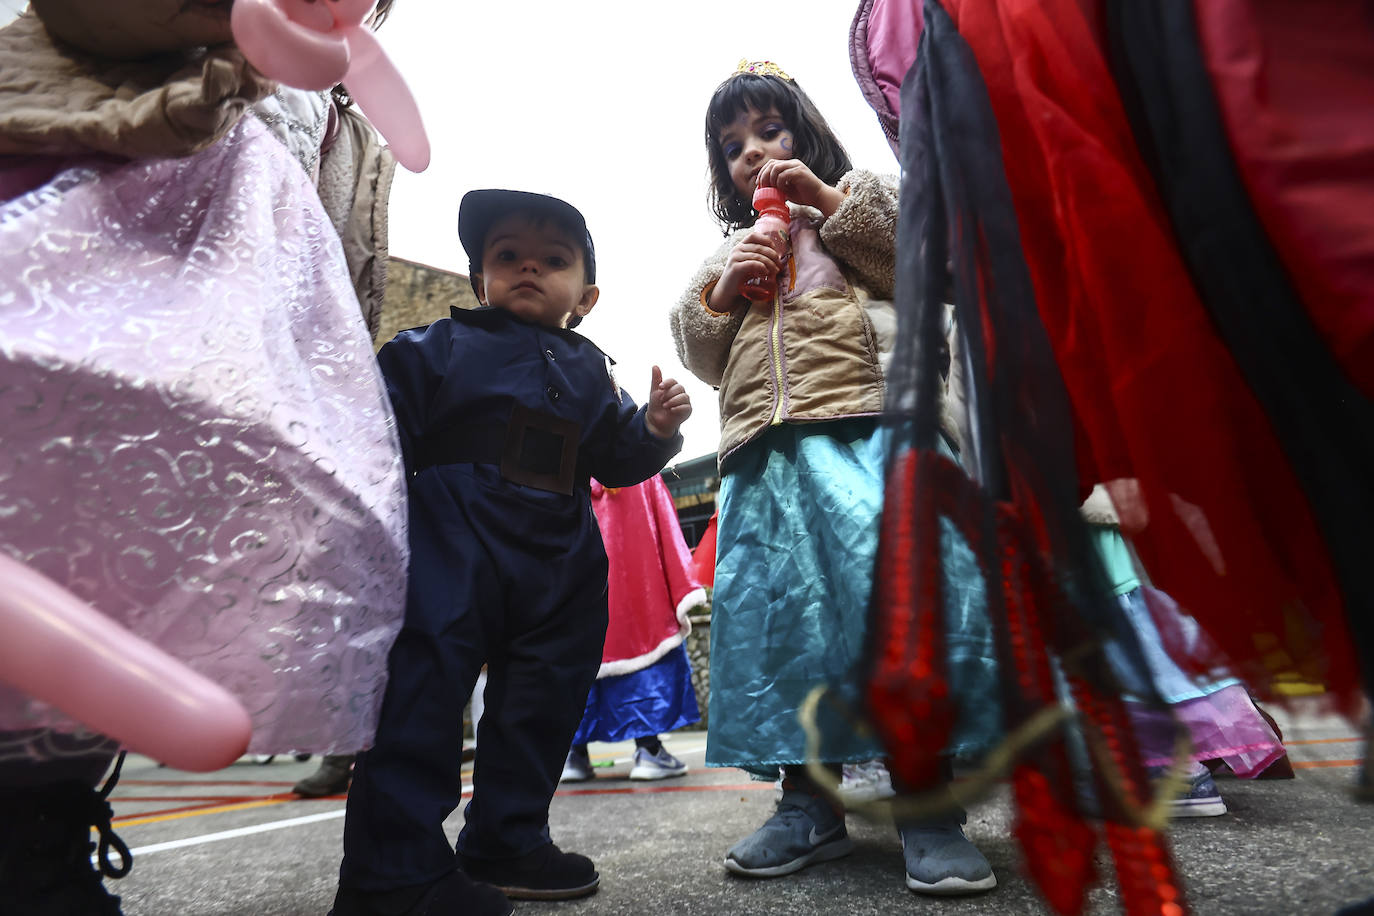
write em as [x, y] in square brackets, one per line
[775, 352]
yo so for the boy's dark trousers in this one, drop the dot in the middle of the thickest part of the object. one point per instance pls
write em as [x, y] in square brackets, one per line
[493, 580]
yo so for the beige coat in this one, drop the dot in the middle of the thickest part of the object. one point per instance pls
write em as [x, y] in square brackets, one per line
[56, 101]
[820, 355]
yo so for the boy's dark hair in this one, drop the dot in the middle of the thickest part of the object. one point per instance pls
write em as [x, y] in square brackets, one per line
[814, 143]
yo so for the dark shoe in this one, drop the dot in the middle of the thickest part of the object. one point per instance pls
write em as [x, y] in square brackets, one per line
[941, 861]
[804, 829]
[1200, 799]
[548, 873]
[45, 851]
[452, 894]
[332, 778]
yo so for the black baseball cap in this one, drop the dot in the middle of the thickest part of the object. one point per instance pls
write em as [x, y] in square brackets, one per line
[480, 209]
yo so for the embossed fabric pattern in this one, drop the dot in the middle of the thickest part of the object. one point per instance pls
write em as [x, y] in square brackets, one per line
[194, 436]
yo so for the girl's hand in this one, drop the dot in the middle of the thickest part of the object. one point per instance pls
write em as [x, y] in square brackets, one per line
[669, 405]
[800, 185]
[754, 258]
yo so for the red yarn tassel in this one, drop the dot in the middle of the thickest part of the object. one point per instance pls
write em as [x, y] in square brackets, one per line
[1144, 867]
[1056, 840]
[908, 693]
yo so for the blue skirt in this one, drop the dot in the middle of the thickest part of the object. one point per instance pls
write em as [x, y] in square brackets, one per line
[796, 541]
[646, 702]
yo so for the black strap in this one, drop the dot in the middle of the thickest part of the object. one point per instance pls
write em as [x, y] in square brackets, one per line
[533, 448]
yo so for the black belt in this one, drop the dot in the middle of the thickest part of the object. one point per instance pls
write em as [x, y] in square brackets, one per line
[534, 449]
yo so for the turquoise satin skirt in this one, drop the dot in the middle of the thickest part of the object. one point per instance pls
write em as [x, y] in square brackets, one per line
[796, 541]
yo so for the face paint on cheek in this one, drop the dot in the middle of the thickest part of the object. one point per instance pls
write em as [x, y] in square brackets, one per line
[786, 142]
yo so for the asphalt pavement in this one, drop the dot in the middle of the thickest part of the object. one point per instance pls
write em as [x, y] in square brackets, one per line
[238, 843]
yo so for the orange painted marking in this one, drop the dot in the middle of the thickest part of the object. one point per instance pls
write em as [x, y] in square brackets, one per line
[1316, 764]
[174, 814]
[199, 782]
[1323, 741]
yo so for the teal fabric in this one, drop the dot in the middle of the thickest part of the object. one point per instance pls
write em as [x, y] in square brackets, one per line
[1116, 557]
[1170, 681]
[796, 541]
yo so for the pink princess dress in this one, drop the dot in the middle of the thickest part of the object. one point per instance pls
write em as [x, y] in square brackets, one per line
[644, 686]
[195, 435]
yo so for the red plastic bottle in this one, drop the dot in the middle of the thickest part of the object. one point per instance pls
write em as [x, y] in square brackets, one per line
[774, 218]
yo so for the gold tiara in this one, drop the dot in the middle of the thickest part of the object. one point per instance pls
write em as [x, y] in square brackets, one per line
[761, 68]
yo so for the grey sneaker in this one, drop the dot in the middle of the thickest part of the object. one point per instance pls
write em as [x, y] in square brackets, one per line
[941, 861]
[656, 766]
[578, 766]
[803, 829]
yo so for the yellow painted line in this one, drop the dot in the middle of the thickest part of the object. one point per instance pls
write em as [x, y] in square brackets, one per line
[220, 809]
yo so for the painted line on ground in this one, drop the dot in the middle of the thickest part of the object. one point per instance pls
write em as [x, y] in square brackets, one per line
[216, 799]
[646, 790]
[200, 782]
[1310, 764]
[236, 832]
[176, 814]
[1322, 740]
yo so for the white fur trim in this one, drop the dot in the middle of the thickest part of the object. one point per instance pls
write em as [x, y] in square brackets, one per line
[693, 599]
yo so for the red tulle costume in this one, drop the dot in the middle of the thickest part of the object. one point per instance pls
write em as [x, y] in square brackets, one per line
[1163, 413]
[1127, 365]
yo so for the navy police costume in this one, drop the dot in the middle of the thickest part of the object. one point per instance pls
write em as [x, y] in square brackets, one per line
[501, 423]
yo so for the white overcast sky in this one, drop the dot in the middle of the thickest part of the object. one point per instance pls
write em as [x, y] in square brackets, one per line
[602, 102]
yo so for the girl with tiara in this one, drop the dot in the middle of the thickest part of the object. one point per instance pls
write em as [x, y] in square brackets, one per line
[801, 381]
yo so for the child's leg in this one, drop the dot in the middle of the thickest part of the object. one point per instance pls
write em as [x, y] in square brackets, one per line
[536, 692]
[536, 695]
[940, 860]
[411, 779]
[47, 809]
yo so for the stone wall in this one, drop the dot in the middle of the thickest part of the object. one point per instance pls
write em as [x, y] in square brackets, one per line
[417, 294]
[699, 654]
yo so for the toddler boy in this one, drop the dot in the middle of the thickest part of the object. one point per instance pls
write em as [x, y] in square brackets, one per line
[503, 413]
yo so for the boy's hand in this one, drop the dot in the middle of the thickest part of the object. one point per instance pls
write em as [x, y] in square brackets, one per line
[800, 185]
[669, 406]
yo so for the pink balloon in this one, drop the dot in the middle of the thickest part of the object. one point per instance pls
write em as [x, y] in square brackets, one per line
[287, 50]
[57, 649]
[314, 44]
[350, 12]
[381, 92]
